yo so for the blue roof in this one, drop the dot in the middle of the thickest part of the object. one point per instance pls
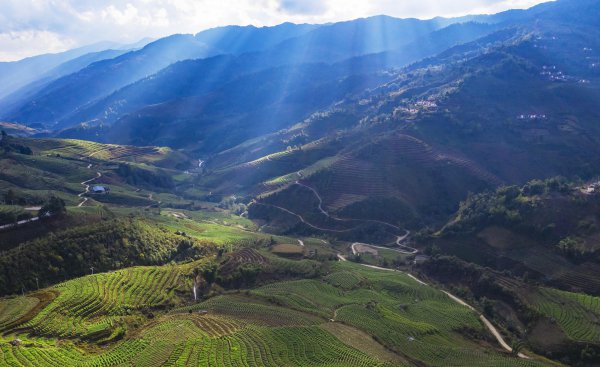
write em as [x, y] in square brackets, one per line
[98, 188]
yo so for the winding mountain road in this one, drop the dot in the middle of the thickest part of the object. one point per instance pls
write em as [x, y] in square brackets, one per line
[324, 212]
[304, 221]
[409, 250]
[87, 188]
[487, 323]
[24, 221]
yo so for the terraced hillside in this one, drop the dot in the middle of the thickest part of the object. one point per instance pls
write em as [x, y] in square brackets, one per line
[353, 316]
[36, 168]
[400, 168]
[81, 149]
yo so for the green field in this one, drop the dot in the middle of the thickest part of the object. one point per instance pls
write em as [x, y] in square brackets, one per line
[146, 316]
[182, 280]
[136, 176]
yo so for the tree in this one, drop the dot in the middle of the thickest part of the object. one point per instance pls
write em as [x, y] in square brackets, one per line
[209, 273]
[568, 245]
[517, 346]
[10, 197]
[4, 134]
[55, 206]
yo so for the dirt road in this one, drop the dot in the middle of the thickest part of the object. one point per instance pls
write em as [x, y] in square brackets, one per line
[87, 189]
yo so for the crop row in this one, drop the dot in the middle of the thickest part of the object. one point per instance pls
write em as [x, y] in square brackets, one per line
[12, 309]
[252, 311]
[343, 279]
[176, 343]
[105, 297]
[577, 314]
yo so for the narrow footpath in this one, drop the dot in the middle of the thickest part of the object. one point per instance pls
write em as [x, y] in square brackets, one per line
[87, 188]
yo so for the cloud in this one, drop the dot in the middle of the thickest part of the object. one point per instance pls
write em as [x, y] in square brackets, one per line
[15, 45]
[30, 27]
[303, 6]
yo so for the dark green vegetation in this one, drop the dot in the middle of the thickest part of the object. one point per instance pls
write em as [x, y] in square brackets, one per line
[221, 248]
[546, 230]
[529, 256]
[107, 245]
[252, 306]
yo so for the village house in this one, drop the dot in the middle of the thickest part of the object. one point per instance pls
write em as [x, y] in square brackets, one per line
[420, 259]
[100, 190]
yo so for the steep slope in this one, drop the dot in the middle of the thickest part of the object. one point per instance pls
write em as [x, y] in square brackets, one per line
[16, 74]
[215, 80]
[233, 111]
[67, 94]
[17, 96]
[520, 107]
[547, 229]
[285, 44]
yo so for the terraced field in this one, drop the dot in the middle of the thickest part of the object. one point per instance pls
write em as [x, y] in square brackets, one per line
[94, 306]
[12, 309]
[81, 149]
[577, 314]
[144, 317]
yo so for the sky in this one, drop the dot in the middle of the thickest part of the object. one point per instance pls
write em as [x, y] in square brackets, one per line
[33, 27]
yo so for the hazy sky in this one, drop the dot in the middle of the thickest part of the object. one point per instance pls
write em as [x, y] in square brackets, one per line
[31, 27]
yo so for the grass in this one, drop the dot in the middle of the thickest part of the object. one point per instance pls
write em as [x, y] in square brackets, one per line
[58, 166]
[81, 149]
[11, 213]
[218, 228]
[306, 172]
[384, 257]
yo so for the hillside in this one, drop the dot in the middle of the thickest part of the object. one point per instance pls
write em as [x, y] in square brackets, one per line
[372, 192]
[271, 324]
[546, 230]
[33, 169]
[106, 245]
[467, 120]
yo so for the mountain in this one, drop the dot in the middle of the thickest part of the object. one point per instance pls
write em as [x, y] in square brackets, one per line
[181, 89]
[16, 96]
[468, 119]
[286, 44]
[377, 192]
[17, 74]
[70, 92]
[238, 40]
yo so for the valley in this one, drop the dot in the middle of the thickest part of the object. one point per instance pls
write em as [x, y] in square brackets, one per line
[372, 192]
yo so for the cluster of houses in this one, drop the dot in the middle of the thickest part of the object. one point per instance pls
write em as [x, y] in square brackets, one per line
[532, 116]
[427, 104]
[416, 107]
[553, 74]
[405, 110]
[593, 188]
